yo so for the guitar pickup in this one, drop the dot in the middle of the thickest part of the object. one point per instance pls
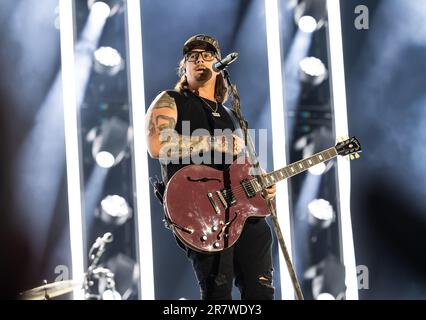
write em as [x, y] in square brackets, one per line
[229, 197]
[213, 203]
[222, 199]
[248, 188]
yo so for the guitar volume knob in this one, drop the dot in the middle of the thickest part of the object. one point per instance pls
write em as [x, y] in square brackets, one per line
[204, 238]
[216, 245]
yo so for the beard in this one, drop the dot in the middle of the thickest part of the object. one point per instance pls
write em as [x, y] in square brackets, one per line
[204, 76]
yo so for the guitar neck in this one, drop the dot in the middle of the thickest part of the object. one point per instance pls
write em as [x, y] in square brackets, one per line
[299, 166]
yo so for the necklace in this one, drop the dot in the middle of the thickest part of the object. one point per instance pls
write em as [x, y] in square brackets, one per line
[214, 111]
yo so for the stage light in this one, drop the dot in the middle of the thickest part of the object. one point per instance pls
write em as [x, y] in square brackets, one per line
[321, 213]
[141, 172]
[318, 170]
[337, 75]
[310, 15]
[312, 71]
[275, 69]
[126, 274]
[70, 98]
[105, 159]
[108, 61]
[100, 9]
[108, 7]
[115, 210]
[328, 279]
[110, 144]
[325, 296]
[307, 24]
[110, 294]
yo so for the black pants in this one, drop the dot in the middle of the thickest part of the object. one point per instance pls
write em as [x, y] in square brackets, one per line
[249, 261]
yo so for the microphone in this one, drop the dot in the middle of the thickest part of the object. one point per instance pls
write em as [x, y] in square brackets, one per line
[100, 245]
[101, 242]
[222, 64]
[107, 237]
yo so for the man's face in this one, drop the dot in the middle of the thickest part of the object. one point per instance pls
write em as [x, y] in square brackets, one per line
[199, 64]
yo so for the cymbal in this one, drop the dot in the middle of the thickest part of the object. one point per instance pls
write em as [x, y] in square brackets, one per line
[50, 290]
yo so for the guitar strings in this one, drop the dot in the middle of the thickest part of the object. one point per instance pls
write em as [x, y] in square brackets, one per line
[240, 190]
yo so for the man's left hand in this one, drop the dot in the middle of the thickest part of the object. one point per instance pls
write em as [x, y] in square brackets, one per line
[271, 191]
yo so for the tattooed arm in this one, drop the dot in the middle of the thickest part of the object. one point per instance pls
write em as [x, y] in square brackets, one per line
[163, 142]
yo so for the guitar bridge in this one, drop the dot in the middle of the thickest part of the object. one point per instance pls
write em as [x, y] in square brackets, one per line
[222, 199]
[213, 203]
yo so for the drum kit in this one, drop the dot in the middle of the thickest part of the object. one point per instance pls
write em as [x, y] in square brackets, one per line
[98, 283]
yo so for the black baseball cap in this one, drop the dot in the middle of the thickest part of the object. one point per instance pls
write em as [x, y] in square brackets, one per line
[201, 40]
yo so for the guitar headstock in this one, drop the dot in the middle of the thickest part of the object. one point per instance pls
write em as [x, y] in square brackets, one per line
[349, 147]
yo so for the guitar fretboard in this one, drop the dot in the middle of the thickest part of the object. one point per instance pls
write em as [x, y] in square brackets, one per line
[296, 168]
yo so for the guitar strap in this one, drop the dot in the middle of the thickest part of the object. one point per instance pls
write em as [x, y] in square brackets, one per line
[234, 121]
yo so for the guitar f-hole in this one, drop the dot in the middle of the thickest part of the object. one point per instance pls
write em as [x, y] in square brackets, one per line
[225, 227]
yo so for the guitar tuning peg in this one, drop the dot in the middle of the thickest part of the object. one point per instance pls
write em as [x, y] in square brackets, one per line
[352, 157]
[357, 155]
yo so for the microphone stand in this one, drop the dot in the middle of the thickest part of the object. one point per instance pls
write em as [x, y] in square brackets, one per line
[94, 260]
[260, 177]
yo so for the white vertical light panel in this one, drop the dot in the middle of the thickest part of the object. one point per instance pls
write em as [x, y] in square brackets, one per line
[278, 135]
[341, 127]
[71, 141]
[140, 150]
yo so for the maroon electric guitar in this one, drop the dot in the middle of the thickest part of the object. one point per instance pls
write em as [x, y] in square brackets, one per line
[207, 208]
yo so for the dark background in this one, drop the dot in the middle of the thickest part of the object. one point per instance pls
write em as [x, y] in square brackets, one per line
[386, 111]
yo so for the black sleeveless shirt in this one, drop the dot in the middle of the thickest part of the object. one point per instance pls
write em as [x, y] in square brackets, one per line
[191, 108]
